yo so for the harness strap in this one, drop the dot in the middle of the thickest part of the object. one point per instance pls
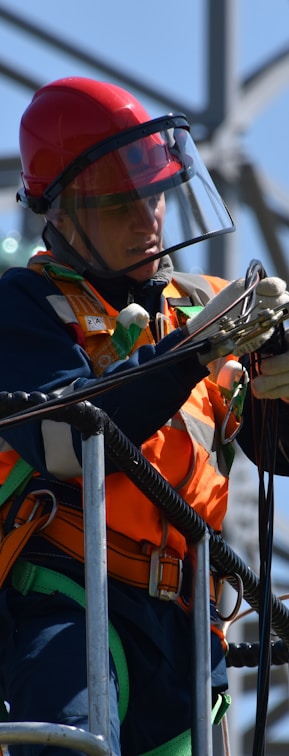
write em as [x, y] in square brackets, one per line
[179, 746]
[16, 480]
[160, 573]
[13, 544]
[220, 708]
[32, 516]
[28, 577]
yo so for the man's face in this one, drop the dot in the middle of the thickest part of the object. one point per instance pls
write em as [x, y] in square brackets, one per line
[122, 234]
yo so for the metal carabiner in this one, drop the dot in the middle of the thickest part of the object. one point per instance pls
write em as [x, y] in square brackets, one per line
[240, 594]
[41, 492]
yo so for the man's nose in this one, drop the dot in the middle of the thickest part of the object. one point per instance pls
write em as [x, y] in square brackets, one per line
[144, 215]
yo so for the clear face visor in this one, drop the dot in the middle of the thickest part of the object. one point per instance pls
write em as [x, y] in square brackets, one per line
[155, 187]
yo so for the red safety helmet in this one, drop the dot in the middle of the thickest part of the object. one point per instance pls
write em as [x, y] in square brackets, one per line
[73, 122]
[87, 144]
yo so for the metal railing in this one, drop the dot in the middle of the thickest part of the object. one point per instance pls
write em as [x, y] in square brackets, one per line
[101, 436]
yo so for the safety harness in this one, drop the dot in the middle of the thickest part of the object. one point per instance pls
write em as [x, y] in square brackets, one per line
[26, 577]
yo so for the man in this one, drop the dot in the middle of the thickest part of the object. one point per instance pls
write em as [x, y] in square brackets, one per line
[113, 186]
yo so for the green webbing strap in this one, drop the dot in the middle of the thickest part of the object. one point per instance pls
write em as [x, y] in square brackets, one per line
[62, 271]
[221, 706]
[179, 746]
[189, 310]
[182, 745]
[31, 577]
[16, 480]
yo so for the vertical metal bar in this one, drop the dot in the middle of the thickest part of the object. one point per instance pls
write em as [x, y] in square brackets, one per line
[202, 744]
[96, 585]
[222, 86]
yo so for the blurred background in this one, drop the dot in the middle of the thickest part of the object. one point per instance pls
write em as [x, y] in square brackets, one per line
[225, 64]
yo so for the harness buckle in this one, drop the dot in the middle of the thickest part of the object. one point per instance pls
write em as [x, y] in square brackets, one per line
[52, 513]
[166, 573]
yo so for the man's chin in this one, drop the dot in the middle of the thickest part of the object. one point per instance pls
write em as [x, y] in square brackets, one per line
[145, 271]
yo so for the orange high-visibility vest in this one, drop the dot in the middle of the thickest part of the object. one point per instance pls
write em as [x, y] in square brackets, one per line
[186, 450]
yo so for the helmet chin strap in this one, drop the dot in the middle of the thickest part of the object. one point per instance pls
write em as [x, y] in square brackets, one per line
[87, 241]
[61, 248]
[67, 254]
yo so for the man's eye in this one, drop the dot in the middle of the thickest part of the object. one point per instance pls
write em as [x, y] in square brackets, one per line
[154, 200]
[120, 209]
[115, 210]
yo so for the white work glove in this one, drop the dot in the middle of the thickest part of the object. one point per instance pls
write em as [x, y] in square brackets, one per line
[273, 380]
[270, 293]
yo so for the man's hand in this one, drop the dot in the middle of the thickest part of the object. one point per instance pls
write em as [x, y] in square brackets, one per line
[273, 380]
[270, 294]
